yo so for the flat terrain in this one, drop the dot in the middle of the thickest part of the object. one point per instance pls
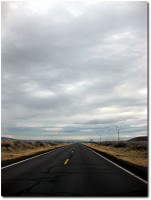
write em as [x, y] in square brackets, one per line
[73, 170]
[13, 150]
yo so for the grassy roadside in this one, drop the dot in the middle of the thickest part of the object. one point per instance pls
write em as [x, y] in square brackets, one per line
[18, 150]
[134, 153]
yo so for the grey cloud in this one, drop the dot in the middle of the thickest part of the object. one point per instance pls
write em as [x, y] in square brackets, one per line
[87, 55]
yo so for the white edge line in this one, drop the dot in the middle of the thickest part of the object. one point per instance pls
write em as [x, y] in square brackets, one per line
[32, 157]
[119, 166]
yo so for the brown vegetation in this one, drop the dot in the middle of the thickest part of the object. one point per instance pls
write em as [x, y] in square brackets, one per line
[16, 149]
[135, 153]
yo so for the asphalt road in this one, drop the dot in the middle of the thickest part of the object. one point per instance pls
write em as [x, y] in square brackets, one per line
[73, 171]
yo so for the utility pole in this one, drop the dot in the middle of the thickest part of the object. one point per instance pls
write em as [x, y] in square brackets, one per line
[118, 134]
[100, 138]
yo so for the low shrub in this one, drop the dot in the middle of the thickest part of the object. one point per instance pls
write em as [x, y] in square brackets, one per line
[107, 143]
[7, 144]
[120, 144]
[40, 144]
[138, 145]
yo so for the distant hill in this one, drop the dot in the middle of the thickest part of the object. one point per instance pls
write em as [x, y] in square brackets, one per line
[141, 138]
[6, 138]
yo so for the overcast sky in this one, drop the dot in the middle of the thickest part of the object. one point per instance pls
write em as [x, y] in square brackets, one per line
[74, 69]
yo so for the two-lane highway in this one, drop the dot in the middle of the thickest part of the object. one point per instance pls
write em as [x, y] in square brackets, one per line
[70, 171]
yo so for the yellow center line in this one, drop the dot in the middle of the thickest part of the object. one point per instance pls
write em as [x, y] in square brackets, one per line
[66, 161]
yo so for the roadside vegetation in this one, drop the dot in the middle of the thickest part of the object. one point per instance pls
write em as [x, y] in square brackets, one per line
[17, 149]
[133, 152]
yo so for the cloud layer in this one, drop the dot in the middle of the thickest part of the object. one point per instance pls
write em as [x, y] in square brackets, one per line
[74, 70]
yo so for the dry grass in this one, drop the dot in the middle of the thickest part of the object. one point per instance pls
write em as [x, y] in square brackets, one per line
[135, 153]
[17, 149]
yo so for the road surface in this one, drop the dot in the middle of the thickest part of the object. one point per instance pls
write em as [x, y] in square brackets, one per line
[72, 171]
